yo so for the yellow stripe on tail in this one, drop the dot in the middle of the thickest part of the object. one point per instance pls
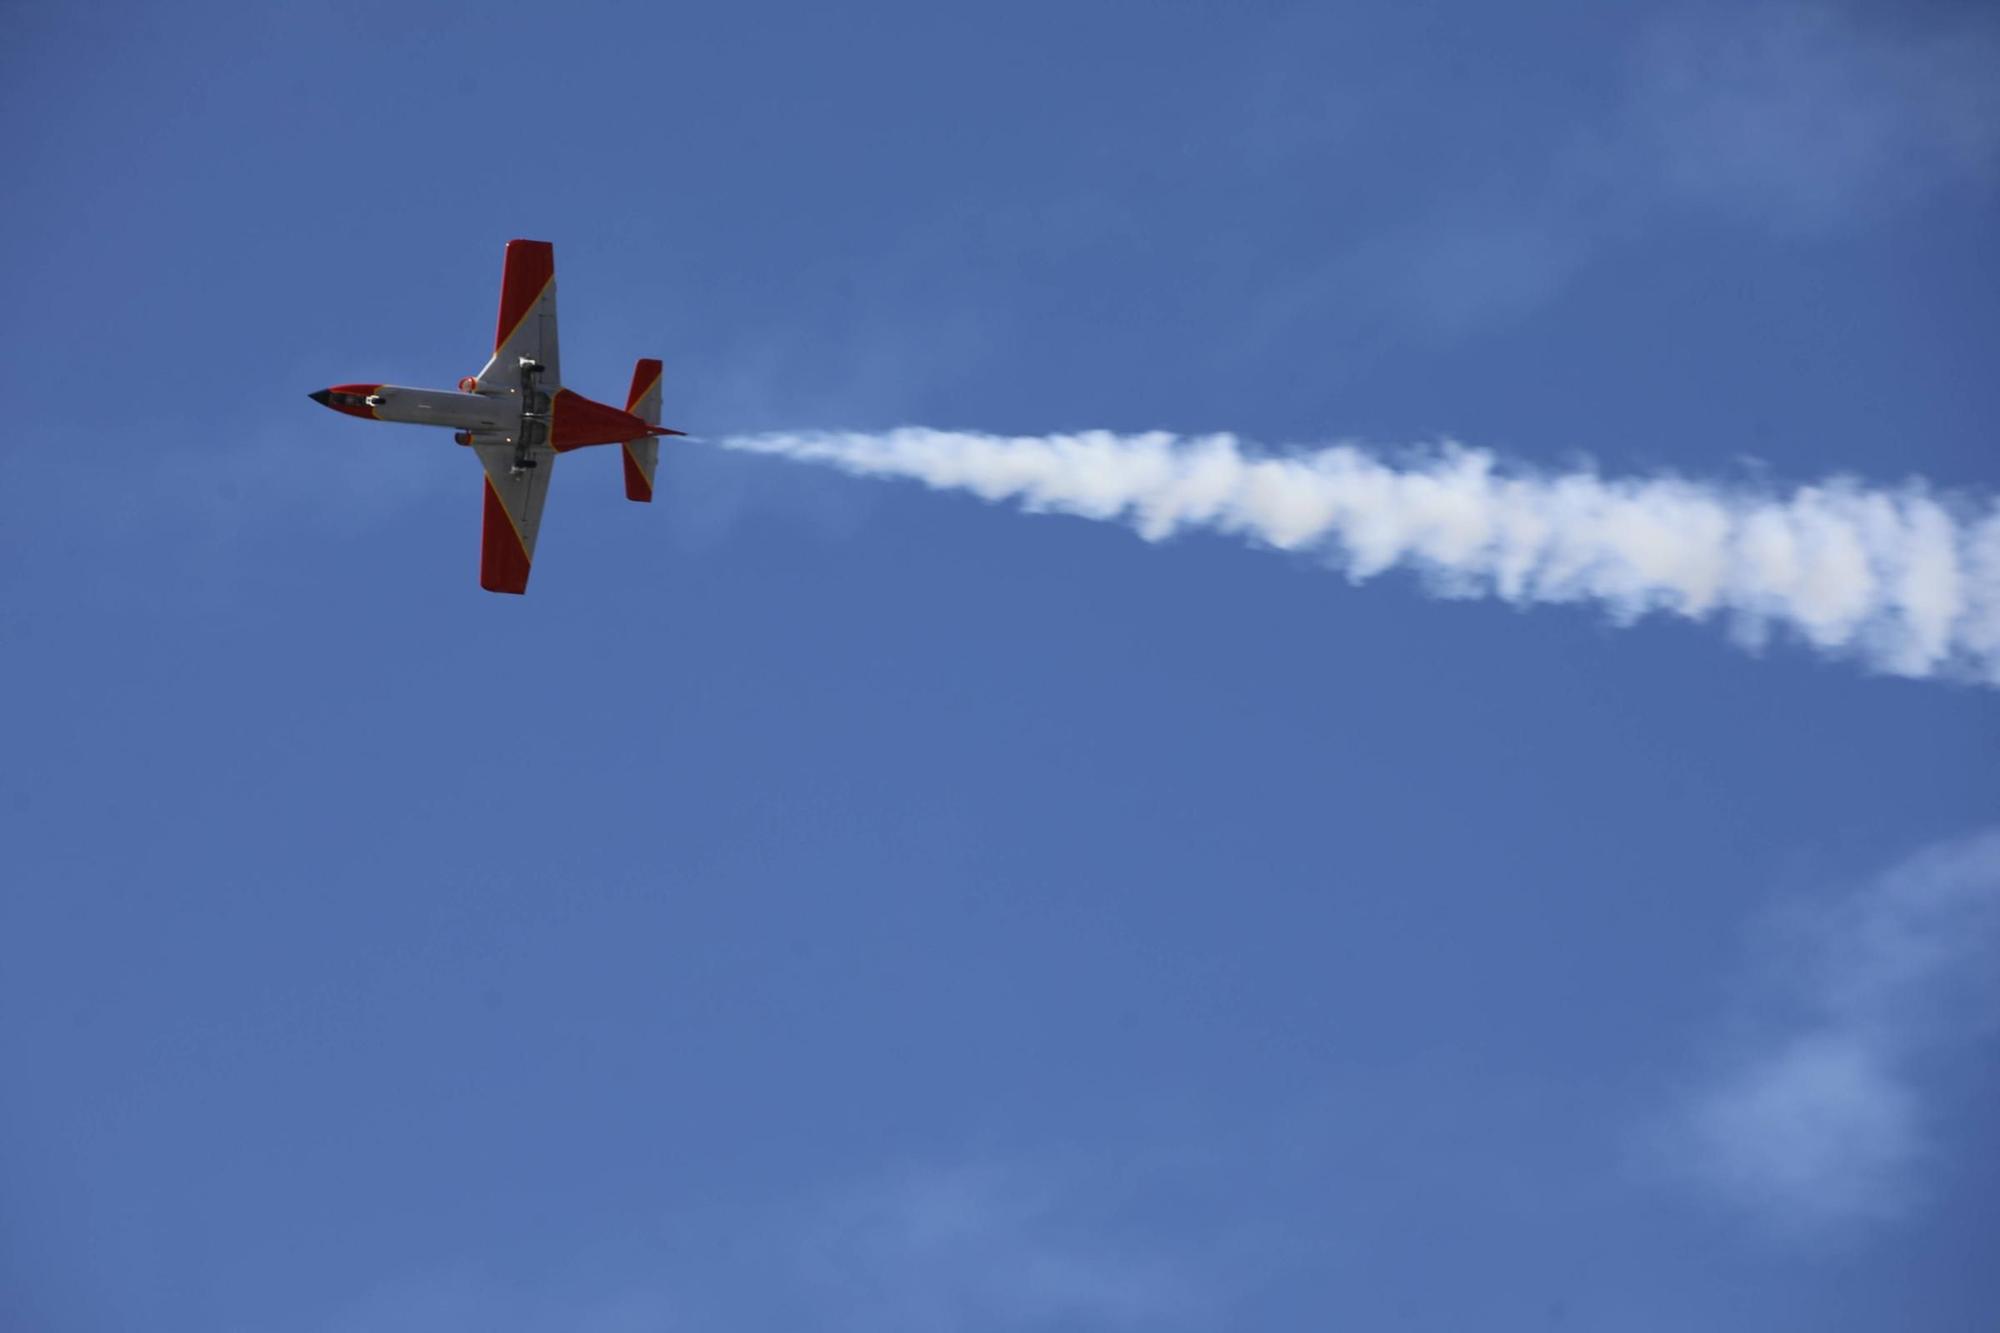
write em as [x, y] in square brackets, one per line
[642, 457]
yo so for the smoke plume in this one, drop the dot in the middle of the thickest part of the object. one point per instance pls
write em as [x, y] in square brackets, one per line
[1903, 580]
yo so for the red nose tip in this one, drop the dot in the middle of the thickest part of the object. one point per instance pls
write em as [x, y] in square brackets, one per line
[349, 398]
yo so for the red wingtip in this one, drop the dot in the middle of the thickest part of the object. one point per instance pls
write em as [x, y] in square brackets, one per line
[503, 558]
[662, 430]
[530, 267]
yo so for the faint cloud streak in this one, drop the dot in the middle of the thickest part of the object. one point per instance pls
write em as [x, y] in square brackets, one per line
[1803, 118]
[1823, 1122]
[1794, 118]
[981, 1246]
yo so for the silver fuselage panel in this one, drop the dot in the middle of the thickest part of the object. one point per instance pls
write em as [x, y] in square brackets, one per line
[484, 413]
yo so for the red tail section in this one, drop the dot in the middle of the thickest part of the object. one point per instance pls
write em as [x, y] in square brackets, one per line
[579, 422]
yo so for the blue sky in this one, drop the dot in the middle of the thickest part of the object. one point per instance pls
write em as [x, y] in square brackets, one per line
[825, 902]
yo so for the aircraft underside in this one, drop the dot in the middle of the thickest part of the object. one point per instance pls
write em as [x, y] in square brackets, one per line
[517, 417]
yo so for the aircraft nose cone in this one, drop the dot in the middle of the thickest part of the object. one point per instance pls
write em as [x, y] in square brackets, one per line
[321, 397]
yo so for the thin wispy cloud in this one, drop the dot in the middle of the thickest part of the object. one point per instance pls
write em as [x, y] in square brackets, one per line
[1905, 581]
[981, 1246]
[1794, 119]
[474, 1300]
[1825, 1120]
[971, 1245]
[1812, 116]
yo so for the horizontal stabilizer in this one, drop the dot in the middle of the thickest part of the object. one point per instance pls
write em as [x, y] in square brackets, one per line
[642, 460]
[642, 456]
[643, 401]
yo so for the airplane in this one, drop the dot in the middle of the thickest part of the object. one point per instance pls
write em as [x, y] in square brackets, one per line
[517, 417]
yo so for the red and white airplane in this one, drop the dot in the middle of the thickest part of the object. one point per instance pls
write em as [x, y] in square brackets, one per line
[517, 417]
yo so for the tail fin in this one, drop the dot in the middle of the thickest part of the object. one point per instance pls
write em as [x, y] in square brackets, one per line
[642, 456]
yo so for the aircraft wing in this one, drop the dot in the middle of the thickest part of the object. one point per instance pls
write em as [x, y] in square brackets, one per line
[527, 326]
[513, 514]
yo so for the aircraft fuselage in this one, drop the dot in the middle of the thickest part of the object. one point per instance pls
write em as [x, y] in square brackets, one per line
[497, 414]
[570, 420]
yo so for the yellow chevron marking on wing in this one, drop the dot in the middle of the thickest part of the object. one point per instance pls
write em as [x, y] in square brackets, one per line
[533, 306]
[512, 522]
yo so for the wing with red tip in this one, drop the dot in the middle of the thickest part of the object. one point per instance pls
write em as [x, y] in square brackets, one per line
[513, 515]
[527, 324]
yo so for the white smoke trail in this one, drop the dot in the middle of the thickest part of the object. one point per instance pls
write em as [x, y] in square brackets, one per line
[1905, 581]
